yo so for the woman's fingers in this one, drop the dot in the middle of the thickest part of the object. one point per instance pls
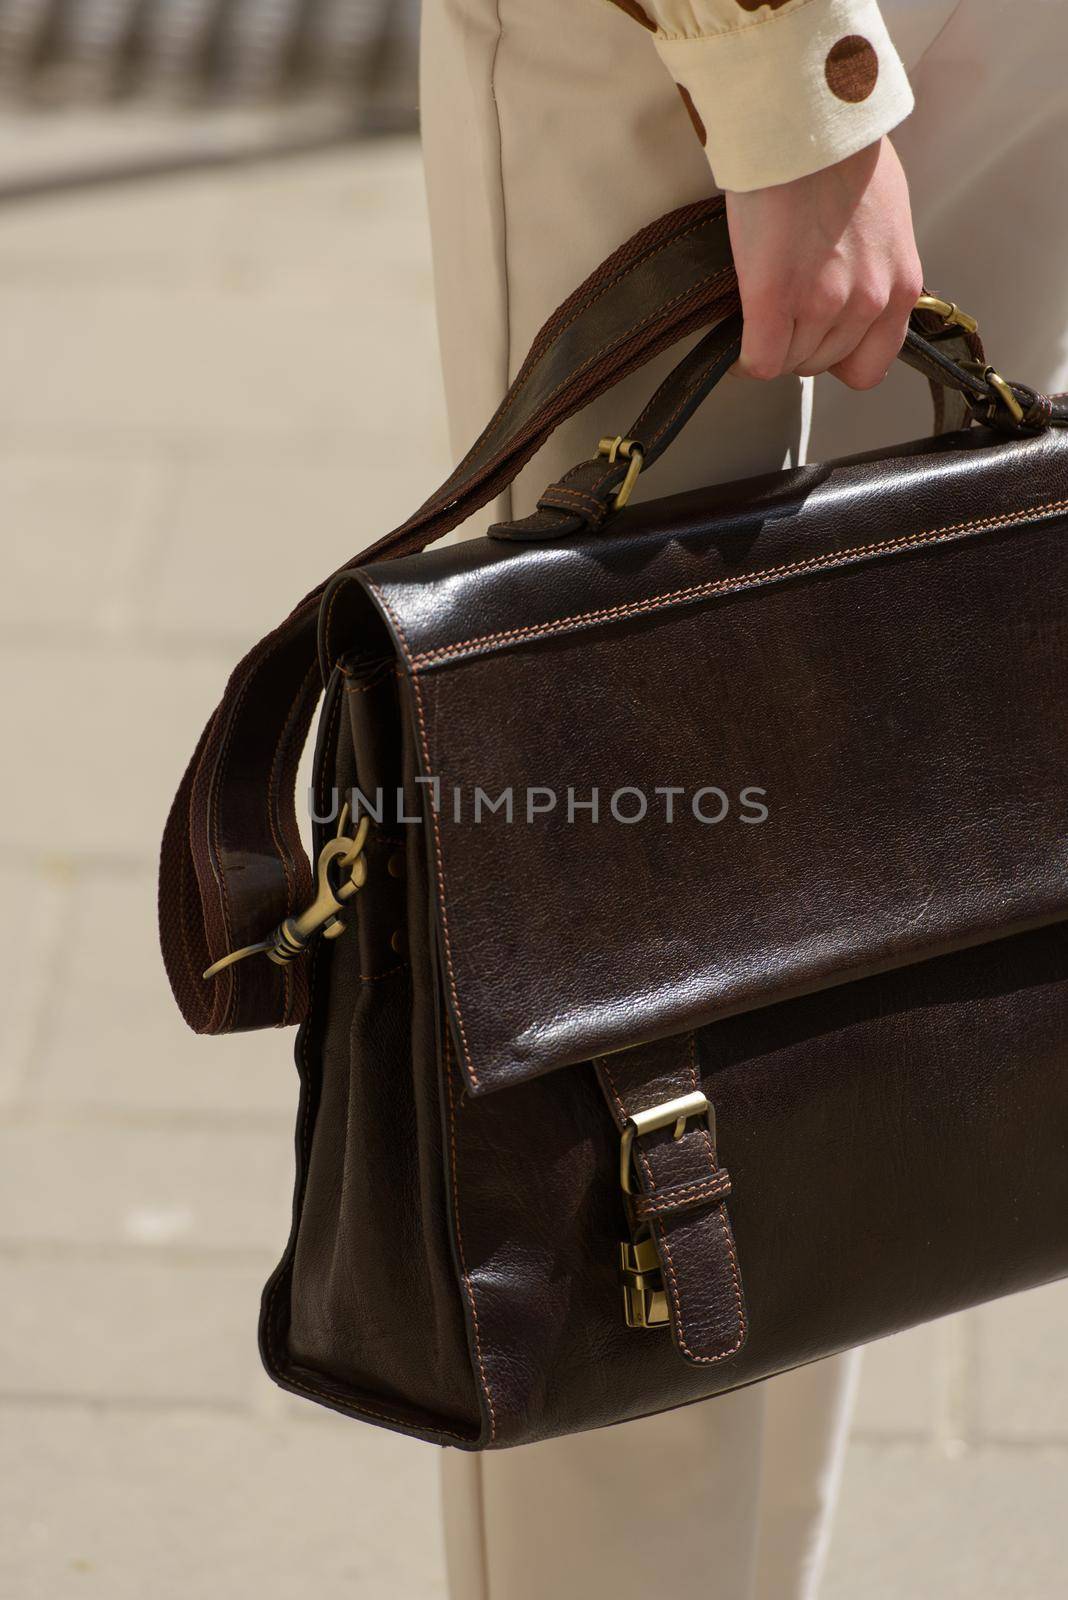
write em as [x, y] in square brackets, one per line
[766, 334]
[827, 270]
[872, 357]
[857, 340]
[833, 344]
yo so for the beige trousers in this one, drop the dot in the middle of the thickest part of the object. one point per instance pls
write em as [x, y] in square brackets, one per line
[552, 132]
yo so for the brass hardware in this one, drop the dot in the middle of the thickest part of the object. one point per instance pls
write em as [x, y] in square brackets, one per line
[953, 316]
[1004, 392]
[291, 938]
[644, 1301]
[950, 313]
[632, 452]
[677, 1111]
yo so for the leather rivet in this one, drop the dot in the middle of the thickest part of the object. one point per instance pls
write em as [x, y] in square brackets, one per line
[397, 944]
[396, 864]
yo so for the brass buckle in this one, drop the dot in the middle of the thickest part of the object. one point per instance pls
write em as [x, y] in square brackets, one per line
[1004, 392]
[948, 311]
[632, 452]
[677, 1111]
[644, 1299]
[954, 317]
[293, 936]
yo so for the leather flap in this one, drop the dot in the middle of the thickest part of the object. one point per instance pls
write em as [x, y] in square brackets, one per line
[881, 652]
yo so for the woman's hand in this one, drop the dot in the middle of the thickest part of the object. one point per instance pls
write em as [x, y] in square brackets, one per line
[828, 270]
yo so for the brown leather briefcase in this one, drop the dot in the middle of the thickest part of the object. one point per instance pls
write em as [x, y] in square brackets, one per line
[683, 983]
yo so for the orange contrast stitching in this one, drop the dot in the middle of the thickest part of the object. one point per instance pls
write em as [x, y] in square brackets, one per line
[701, 1186]
[744, 580]
[661, 1233]
[440, 874]
[680, 1199]
[523, 380]
[468, 1285]
[268, 1320]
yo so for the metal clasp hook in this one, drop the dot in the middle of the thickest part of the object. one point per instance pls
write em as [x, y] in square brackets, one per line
[341, 856]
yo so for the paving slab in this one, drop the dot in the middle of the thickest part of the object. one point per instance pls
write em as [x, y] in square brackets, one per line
[1022, 1367]
[199, 361]
[131, 1328]
[195, 1188]
[914, 1525]
[29, 948]
[900, 1384]
[73, 525]
[114, 1041]
[124, 1505]
[248, 535]
[102, 741]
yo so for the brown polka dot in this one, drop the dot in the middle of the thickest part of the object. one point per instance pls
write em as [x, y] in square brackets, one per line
[693, 113]
[852, 67]
[755, 5]
[633, 9]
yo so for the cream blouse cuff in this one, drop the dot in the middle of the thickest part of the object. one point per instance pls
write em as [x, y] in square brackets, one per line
[782, 88]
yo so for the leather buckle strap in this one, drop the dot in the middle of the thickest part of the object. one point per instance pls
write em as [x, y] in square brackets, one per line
[677, 1112]
[680, 1264]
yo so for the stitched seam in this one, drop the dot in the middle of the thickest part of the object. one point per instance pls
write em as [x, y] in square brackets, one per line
[457, 485]
[729, 33]
[696, 1080]
[217, 867]
[660, 1228]
[576, 372]
[213, 802]
[454, 487]
[674, 1193]
[623, 1118]
[661, 1232]
[304, 1141]
[673, 1285]
[558, 492]
[372, 683]
[744, 580]
[216, 862]
[440, 875]
[376, 977]
[587, 305]
[439, 859]
[695, 383]
[728, 1237]
[193, 967]
[283, 853]
[468, 1284]
[680, 1199]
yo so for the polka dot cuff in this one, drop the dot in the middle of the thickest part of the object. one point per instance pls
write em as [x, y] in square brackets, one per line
[776, 89]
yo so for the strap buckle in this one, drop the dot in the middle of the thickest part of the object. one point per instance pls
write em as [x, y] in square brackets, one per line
[950, 312]
[678, 1111]
[644, 1298]
[632, 452]
[1004, 391]
[954, 317]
